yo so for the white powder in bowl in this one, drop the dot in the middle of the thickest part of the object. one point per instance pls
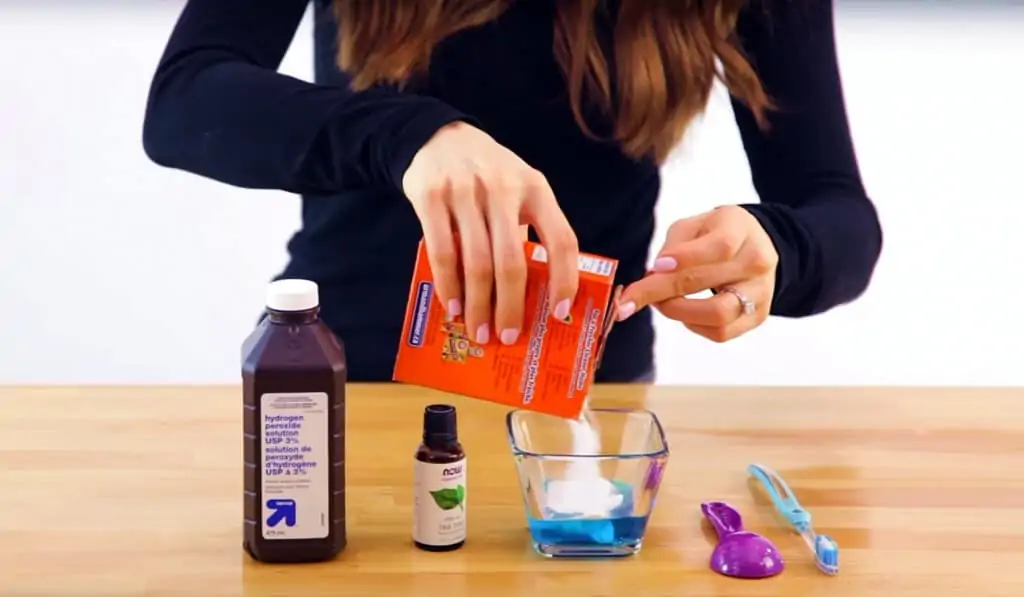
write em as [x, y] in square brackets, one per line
[583, 491]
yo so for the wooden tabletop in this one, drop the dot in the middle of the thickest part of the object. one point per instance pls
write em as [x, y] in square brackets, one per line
[137, 491]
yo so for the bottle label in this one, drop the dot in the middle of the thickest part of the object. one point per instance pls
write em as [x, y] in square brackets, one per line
[296, 466]
[439, 515]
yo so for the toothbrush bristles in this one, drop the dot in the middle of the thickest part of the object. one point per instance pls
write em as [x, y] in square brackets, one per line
[826, 554]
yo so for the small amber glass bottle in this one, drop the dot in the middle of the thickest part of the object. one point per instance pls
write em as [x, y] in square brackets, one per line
[439, 504]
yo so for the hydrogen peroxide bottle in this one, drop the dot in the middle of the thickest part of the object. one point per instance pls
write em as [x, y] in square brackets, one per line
[293, 378]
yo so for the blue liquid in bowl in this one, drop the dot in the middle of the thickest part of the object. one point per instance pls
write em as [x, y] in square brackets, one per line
[560, 534]
[589, 533]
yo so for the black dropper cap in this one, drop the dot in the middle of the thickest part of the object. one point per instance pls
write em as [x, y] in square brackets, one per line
[439, 425]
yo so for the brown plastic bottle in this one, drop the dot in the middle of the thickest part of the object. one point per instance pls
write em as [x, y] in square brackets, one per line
[439, 501]
[293, 380]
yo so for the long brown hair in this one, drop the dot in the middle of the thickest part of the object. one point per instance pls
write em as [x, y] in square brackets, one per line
[665, 54]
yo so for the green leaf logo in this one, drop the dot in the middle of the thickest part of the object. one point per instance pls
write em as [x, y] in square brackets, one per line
[450, 497]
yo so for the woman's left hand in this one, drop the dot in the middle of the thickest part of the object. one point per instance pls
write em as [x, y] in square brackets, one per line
[725, 250]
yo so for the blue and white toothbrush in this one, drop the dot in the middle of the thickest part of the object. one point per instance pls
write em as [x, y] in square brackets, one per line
[825, 550]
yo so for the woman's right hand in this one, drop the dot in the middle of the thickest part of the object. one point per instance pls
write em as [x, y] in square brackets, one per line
[463, 182]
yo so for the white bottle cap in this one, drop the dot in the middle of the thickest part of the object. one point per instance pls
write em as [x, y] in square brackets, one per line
[293, 295]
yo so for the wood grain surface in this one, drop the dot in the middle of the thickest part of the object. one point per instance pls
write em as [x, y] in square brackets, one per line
[137, 491]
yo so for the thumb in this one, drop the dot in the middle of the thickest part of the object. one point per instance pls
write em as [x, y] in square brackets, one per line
[686, 229]
[658, 284]
[678, 233]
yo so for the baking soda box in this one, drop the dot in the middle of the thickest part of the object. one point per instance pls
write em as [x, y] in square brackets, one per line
[549, 369]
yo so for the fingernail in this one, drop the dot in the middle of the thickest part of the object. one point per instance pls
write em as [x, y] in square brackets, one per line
[664, 264]
[626, 309]
[483, 334]
[509, 336]
[454, 307]
[562, 309]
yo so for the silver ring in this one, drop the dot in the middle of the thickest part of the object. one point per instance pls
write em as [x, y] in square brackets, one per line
[748, 305]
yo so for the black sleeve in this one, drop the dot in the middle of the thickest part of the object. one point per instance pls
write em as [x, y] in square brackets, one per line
[813, 203]
[218, 108]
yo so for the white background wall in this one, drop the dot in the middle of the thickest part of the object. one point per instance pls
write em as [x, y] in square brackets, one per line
[114, 270]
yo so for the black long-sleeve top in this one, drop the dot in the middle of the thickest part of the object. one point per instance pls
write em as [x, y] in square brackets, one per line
[219, 109]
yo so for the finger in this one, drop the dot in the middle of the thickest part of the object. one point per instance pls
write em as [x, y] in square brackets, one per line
[724, 334]
[509, 266]
[542, 212]
[442, 252]
[659, 287]
[719, 310]
[477, 263]
[712, 247]
[723, 316]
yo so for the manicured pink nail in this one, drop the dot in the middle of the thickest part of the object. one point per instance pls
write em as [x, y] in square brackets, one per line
[454, 307]
[626, 309]
[664, 264]
[483, 334]
[509, 336]
[562, 309]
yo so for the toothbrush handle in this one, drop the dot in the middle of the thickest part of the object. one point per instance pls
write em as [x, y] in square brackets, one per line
[782, 496]
[808, 536]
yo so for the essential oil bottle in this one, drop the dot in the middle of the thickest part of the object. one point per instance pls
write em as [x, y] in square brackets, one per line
[293, 380]
[439, 504]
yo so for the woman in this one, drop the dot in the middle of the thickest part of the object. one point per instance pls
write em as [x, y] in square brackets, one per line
[473, 117]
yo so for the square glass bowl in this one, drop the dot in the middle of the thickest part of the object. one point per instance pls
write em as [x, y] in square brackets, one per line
[588, 494]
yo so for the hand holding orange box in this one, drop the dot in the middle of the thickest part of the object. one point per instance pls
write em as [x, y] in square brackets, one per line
[549, 369]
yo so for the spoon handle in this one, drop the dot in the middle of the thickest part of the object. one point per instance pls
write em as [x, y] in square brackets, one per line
[725, 519]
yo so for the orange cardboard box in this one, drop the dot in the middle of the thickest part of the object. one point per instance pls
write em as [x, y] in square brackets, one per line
[549, 369]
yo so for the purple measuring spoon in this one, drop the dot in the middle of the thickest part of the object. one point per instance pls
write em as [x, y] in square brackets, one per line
[739, 553]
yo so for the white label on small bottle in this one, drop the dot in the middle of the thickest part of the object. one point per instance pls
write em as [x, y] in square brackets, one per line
[439, 506]
[296, 489]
